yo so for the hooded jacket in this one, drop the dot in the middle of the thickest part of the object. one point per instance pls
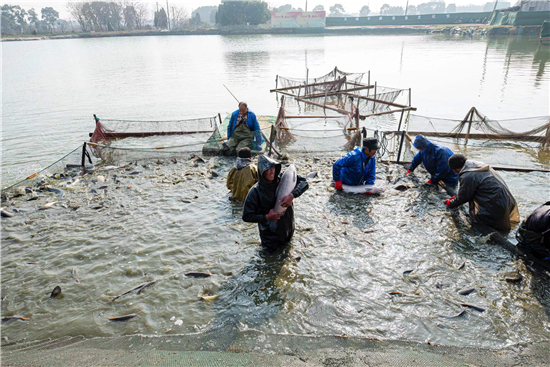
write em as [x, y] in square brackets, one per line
[241, 178]
[489, 199]
[251, 122]
[355, 168]
[435, 159]
[261, 199]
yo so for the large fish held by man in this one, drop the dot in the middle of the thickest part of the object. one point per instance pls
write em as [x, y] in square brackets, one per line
[285, 187]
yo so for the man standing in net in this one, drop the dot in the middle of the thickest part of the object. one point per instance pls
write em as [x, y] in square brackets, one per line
[261, 199]
[242, 131]
[435, 159]
[489, 199]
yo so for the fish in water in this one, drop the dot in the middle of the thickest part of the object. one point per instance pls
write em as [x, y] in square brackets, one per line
[73, 275]
[397, 294]
[60, 193]
[402, 187]
[362, 189]
[462, 266]
[479, 309]
[10, 318]
[5, 214]
[198, 275]
[197, 158]
[56, 292]
[139, 288]
[185, 201]
[466, 292]
[518, 278]
[123, 318]
[47, 206]
[311, 175]
[460, 314]
[285, 187]
[407, 272]
[135, 173]
[103, 188]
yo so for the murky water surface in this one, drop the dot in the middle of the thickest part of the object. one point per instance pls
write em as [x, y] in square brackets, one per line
[118, 231]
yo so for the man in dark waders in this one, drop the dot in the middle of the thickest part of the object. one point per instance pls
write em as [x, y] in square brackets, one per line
[489, 199]
[259, 204]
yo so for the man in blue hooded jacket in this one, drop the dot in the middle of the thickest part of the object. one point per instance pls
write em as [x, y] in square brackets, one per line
[243, 128]
[435, 159]
[358, 167]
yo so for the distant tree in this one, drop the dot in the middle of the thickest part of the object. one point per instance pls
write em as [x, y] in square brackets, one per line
[205, 13]
[451, 8]
[283, 8]
[319, 8]
[161, 20]
[195, 20]
[337, 10]
[365, 10]
[142, 13]
[179, 17]
[384, 9]
[33, 18]
[432, 7]
[411, 10]
[76, 11]
[129, 17]
[395, 10]
[49, 15]
[242, 12]
[213, 13]
[62, 24]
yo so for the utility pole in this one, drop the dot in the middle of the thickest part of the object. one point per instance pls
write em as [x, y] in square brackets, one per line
[306, 6]
[406, 7]
[494, 9]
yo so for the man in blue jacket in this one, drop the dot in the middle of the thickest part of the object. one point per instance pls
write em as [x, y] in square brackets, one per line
[243, 128]
[358, 167]
[435, 159]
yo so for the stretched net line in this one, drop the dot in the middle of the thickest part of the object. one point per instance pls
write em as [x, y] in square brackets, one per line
[107, 129]
[536, 129]
[68, 165]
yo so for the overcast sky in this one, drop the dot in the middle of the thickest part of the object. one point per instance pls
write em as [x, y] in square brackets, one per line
[351, 6]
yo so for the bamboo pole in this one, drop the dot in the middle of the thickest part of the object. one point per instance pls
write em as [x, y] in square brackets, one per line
[374, 103]
[516, 137]
[386, 112]
[378, 100]
[469, 125]
[497, 168]
[344, 112]
[400, 145]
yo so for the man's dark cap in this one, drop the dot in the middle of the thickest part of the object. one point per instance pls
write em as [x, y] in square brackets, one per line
[457, 161]
[244, 153]
[370, 143]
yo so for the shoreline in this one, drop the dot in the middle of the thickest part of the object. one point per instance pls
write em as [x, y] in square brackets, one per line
[377, 30]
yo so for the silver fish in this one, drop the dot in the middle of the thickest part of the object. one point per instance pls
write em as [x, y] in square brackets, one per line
[285, 187]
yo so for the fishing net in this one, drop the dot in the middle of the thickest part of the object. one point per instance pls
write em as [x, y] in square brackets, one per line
[330, 82]
[478, 126]
[107, 129]
[67, 166]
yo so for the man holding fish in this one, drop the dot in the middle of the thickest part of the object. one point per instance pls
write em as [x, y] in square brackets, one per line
[356, 171]
[269, 203]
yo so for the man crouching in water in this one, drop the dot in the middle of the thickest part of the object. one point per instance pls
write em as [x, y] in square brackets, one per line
[260, 201]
